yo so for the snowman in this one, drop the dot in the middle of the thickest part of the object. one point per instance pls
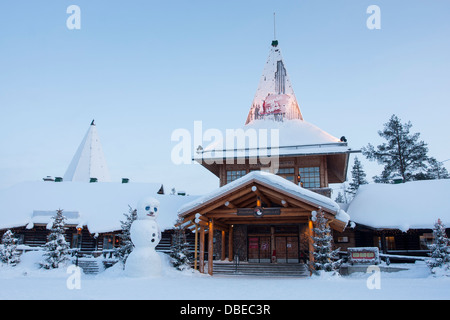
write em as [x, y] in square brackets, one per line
[145, 234]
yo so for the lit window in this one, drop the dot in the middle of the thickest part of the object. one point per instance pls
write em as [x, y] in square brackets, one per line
[309, 177]
[390, 243]
[235, 174]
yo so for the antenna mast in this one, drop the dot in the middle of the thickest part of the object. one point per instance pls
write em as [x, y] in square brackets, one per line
[274, 30]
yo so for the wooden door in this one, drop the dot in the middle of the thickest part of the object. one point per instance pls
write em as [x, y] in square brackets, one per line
[281, 249]
[253, 249]
[287, 249]
[264, 249]
[292, 249]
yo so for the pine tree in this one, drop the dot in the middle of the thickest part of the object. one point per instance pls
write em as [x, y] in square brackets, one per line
[440, 249]
[436, 170]
[403, 153]
[358, 177]
[8, 249]
[126, 245]
[339, 198]
[325, 258]
[179, 250]
[56, 249]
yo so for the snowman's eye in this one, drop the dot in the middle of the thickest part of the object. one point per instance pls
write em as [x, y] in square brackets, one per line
[147, 208]
[156, 209]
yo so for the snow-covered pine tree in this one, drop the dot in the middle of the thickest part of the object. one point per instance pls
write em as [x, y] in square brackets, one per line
[339, 198]
[180, 256]
[440, 249]
[403, 153]
[56, 249]
[358, 177]
[126, 245]
[436, 170]
[325, 258]
[8, 249]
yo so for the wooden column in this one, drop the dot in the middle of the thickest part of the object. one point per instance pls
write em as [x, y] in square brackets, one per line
[223, 246]
[230, 243]
[311, 241]
[210, 247]
[202, 249]
[196, 247]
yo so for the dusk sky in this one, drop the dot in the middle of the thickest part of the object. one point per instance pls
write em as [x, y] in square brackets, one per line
[143, 69]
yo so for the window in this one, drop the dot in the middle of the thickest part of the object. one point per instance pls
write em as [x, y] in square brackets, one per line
[425, 240]
[235, 174]
[309, 177]
[108, 242]
[76, 241]
[390, 243]
[287, 173]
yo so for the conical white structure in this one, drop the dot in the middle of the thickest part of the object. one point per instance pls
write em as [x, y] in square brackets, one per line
[89, 160]
[274, 98]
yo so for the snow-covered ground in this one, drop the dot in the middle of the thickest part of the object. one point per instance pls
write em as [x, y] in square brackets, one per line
[26, 281]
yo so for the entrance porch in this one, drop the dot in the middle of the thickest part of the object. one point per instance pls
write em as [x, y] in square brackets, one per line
[261, 218]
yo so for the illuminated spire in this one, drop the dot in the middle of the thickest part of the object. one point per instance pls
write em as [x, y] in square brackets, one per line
[274, 98]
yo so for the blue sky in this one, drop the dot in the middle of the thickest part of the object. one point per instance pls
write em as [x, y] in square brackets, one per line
[142, 69]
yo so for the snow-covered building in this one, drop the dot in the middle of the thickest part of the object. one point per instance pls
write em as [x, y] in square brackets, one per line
[271, 182]
[93, 205]
[398, 218]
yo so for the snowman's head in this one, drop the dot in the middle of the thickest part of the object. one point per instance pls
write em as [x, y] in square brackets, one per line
[147, 209]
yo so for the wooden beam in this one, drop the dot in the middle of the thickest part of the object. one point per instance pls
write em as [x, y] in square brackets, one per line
[229, 205]
[202, 249]
[310, 232]
[223, 246]
[211, 247]
[230, 243]
[266, 220]
[196, 247]
[261, 196]
[238, 202]
[205, 208]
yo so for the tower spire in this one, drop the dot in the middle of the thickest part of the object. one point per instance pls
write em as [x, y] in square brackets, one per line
[274, 98]
[274, 29]
[89, 160]
[274, 41]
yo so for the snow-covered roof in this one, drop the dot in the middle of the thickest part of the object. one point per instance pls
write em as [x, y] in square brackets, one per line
[275, 182]
[99, 206]
[411, 205]
[89, 160]
[292, 137]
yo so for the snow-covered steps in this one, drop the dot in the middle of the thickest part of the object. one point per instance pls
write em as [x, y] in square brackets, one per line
[90, 265]
[261, 269]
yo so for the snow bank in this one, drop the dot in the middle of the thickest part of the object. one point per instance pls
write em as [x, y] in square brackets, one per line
[411, 205]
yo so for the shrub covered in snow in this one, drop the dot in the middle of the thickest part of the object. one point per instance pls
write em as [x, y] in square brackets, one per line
[8, 249]
[324, 257]
[56, 250]
[180, 256]
[439, 261]
[126, 246]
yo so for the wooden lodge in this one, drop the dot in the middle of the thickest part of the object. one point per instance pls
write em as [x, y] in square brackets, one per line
[258, 218]
[262, 210]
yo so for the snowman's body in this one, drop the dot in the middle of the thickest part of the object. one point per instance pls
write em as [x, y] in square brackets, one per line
[145, 234]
